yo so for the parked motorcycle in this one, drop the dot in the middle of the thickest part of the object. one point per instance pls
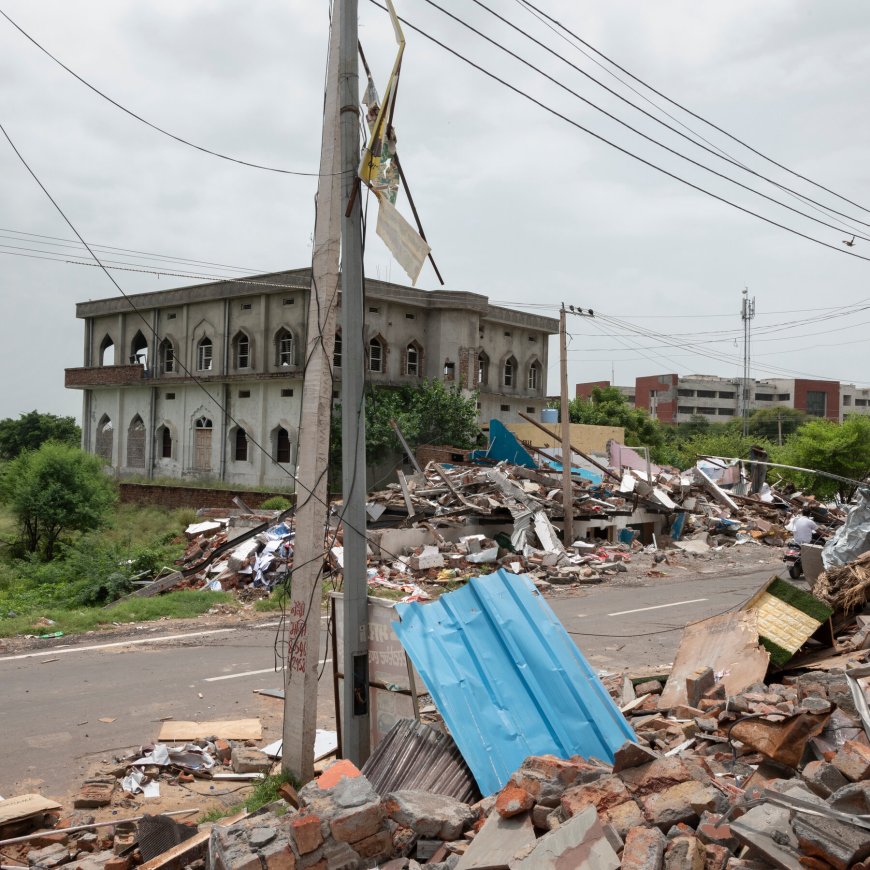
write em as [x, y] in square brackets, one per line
[792, 557]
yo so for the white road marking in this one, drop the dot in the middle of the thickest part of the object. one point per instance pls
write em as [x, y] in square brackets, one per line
[252, 673]
[73, 649]
[657, 607]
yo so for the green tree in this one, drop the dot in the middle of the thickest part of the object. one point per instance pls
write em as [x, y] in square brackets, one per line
[31, 430]
[724, 440]
[430, 413]
[824, 445]
[767, 422]
[54, 490]
[606, 406]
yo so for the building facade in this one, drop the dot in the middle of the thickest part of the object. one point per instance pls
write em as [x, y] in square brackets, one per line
[194, 381]
[673, 398]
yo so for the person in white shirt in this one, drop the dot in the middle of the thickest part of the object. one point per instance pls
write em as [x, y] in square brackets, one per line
[803, 527]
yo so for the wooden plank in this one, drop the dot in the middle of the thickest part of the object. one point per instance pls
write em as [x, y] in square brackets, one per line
[228, 729]
[23, 806]
[406, 494]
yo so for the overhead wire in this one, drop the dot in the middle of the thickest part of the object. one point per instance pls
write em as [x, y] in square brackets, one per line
[150, 124]
[688, 111]
[815, 205]
[556, 113]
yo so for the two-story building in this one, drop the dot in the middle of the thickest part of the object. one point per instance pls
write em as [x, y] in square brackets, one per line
[192, 382]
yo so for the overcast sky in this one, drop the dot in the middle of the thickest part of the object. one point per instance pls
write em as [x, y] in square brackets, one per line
[517, 203]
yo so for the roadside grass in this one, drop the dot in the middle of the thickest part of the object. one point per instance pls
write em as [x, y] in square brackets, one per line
[186, 604]
[264, 792]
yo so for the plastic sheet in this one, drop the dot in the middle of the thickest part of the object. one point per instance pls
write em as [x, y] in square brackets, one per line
[853, 537]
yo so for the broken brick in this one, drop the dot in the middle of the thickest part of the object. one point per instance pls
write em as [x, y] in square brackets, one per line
[644, 849]
[306, 833]
[823, 778]
[513, 800]
[853, 760]
[609, 791]
[685, 853]
[680, 803]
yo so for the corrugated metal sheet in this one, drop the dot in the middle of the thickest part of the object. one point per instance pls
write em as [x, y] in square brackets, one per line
[507, 678]
[413, 755]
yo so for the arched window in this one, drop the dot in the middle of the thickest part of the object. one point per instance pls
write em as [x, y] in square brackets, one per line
[204, 355]
[240, 445]
[202, 444]
[376, 355]
[136, 443]
[164, 442]
[241, 351]
[510, 372]
[414, 359]
[139, 349]
[283, 446]
[107, 351]
[167, 356]
[105, 434]
[482, 369]
[285, 348]
[534, 380]
[336, 353]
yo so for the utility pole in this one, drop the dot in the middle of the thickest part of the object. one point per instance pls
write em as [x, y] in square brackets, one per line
[779, 429]
[312, 456]
[355, 715]
[567, 485]
[747, 312]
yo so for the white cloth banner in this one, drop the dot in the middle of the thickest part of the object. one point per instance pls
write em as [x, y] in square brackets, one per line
[403, 241]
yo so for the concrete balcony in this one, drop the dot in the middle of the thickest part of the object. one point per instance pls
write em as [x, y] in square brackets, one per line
[104, 376]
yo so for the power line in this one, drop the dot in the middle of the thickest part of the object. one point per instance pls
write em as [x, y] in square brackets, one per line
[690, 112]
[150, 124]
[626, 151]
[718, 153]
[150, 254]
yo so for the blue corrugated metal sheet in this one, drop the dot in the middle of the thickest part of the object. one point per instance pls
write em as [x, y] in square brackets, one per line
[507, 678]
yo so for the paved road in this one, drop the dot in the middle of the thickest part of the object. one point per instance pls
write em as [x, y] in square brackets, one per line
[640, 626]
[52, 701]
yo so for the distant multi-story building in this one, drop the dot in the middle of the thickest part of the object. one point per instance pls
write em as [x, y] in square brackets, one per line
[146, 412]
[673, 398]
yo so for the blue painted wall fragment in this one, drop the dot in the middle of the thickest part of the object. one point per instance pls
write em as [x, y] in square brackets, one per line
[507, 678]
[504, 446]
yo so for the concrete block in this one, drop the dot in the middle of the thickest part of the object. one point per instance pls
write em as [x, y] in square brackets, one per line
[838, 843]
[680, 803]
[823, 778]
[250, 760]
[430, 815]
[685, 853]
[357, 823]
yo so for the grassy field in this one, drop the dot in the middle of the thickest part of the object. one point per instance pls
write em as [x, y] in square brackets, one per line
[70, 593]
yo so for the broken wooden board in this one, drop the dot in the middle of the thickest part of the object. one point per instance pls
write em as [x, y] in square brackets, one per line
[24, 806]
[728, 644]
[229, 729]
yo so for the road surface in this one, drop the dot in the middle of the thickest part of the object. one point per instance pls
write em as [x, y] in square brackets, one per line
[54, 698]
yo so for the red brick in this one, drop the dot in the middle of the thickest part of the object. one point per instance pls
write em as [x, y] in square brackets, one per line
[336, 771]
[716, 857]
[117, 863]
[513, 800]
[609, 791]
[377, 846]
[307, 833]
[644, 849]
[853, 760]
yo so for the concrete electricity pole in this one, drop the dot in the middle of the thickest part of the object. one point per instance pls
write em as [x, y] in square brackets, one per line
[355, 713]
[312, 455]
[567, 485]
[747, 312]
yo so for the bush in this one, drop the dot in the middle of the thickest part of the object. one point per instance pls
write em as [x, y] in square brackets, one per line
[276, 503]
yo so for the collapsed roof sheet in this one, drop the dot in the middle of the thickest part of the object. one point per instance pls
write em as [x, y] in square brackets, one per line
[507, 678]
